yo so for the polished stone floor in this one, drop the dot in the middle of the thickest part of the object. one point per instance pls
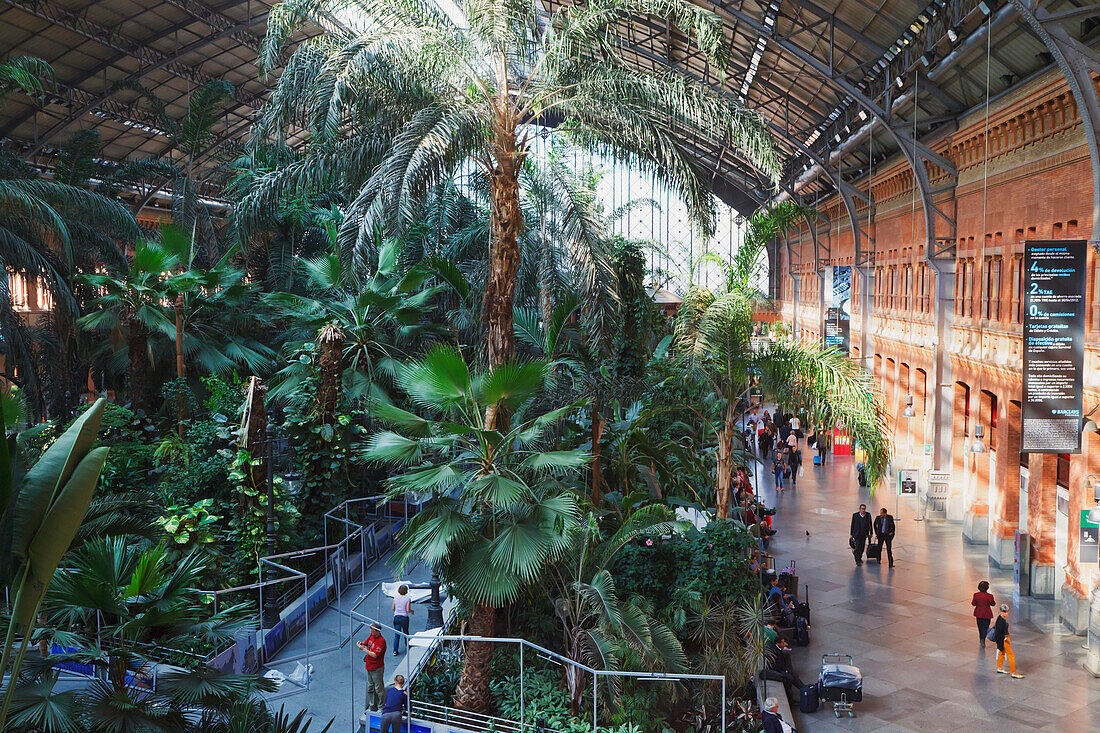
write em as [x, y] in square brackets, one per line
[910, 630]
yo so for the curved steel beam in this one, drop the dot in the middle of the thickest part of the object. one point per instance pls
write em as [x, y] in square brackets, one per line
[1078, 63]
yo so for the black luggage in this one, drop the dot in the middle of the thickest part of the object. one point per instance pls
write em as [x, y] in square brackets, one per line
[874, 551]
[808, 699]
[803, 610]
[801, 631]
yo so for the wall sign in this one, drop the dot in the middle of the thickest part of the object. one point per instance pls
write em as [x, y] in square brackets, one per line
[1054, 346]
[838, 295]
[1088, 549]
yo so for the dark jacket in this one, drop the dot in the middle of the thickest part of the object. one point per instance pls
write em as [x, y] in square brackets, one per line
[887, 531]
[1000, 632]
[771, 723]
[861, 525]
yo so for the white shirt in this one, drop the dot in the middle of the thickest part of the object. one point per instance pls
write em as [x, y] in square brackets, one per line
[795, 425]
[792, 440]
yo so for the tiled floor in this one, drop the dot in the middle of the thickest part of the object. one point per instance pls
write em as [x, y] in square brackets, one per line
[911, 631]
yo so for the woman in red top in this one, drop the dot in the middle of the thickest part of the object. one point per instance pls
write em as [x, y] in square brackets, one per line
[983, 609]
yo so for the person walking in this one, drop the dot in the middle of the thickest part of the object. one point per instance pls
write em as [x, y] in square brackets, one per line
[402, 609]
[860, 532]
[795, 462]
[374, 660]
[824, 442]
[884, 533]
[983, 603]
[777, 468]
[393, 709]
[1004, 646]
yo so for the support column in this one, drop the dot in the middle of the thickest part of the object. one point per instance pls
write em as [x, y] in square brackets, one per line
[1005, 513]
[976, 519]
[1042, 501]
[1079, 579]
[938, 426]
[959, 432]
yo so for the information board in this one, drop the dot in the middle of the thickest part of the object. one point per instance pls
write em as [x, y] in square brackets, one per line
[907, 481]
[1054, 346]
[838, 294]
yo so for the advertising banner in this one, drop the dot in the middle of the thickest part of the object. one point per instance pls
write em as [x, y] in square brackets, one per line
[838, 295]
[1054, 346]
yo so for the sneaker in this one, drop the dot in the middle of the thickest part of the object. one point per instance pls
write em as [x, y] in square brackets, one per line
[1001, 671]
[1017, 676]
[395, 652]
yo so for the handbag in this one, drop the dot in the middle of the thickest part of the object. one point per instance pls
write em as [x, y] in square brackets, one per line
[852, 542]
[991, 635]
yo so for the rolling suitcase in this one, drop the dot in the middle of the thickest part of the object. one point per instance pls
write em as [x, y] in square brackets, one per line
[874, 551]
[808, 699]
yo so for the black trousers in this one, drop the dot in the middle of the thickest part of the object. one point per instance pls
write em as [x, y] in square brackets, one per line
[983, 628]
[888, 544]
[861, 543]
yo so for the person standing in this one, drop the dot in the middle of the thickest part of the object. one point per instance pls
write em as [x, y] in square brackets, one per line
[860, 532]
[374, 660]
[983, 603]
[884, 533]
[1004, 646]
[402, 609]
[393, 710]
[824, 442]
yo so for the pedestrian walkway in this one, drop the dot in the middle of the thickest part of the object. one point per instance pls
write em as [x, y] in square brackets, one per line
[328, 696]
[911, 630]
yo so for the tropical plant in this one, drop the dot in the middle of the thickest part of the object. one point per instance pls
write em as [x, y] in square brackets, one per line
[440, 93]
[713, 338]
[597, 623]
[165, 304]
[498, 514]
[43, 507]
[25, 74]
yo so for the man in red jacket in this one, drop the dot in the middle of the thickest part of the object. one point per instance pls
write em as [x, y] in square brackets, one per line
[374, 659]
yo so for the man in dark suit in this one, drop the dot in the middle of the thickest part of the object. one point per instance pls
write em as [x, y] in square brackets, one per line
[884, 532]
[861, 532]
[770, 719]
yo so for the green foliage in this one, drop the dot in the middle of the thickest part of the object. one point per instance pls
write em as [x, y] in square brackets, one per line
[248, 532]
[651, 570]
[223, 396]
[190, 526]
[718, 565]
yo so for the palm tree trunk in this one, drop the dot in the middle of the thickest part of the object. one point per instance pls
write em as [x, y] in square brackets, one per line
[472, 692]
[597, 433]
[331, 341]
[137, 343]
[179, 366]
[722, 494]
[506, 224]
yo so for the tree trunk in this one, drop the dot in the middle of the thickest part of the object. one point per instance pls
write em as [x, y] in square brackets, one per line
[722, 493]
[472, 692]
[506, 224]
[331, 341]
[179, 366]
[597, 433]
[137, 343]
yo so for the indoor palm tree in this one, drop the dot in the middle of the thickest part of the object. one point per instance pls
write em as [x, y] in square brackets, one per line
[597, 624]
[498, 514]
[713, 333]
[418, 95]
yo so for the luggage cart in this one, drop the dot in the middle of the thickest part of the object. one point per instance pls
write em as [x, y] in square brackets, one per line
[840, 682]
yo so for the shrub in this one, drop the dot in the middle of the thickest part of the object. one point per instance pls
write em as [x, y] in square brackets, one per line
[718, 565]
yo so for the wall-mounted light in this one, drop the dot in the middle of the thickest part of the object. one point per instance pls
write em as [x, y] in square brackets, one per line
[1094, 513]
[908, 411]
[978, 446]
[952, 35]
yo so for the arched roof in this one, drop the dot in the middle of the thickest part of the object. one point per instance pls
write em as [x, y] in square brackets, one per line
[922, 61]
